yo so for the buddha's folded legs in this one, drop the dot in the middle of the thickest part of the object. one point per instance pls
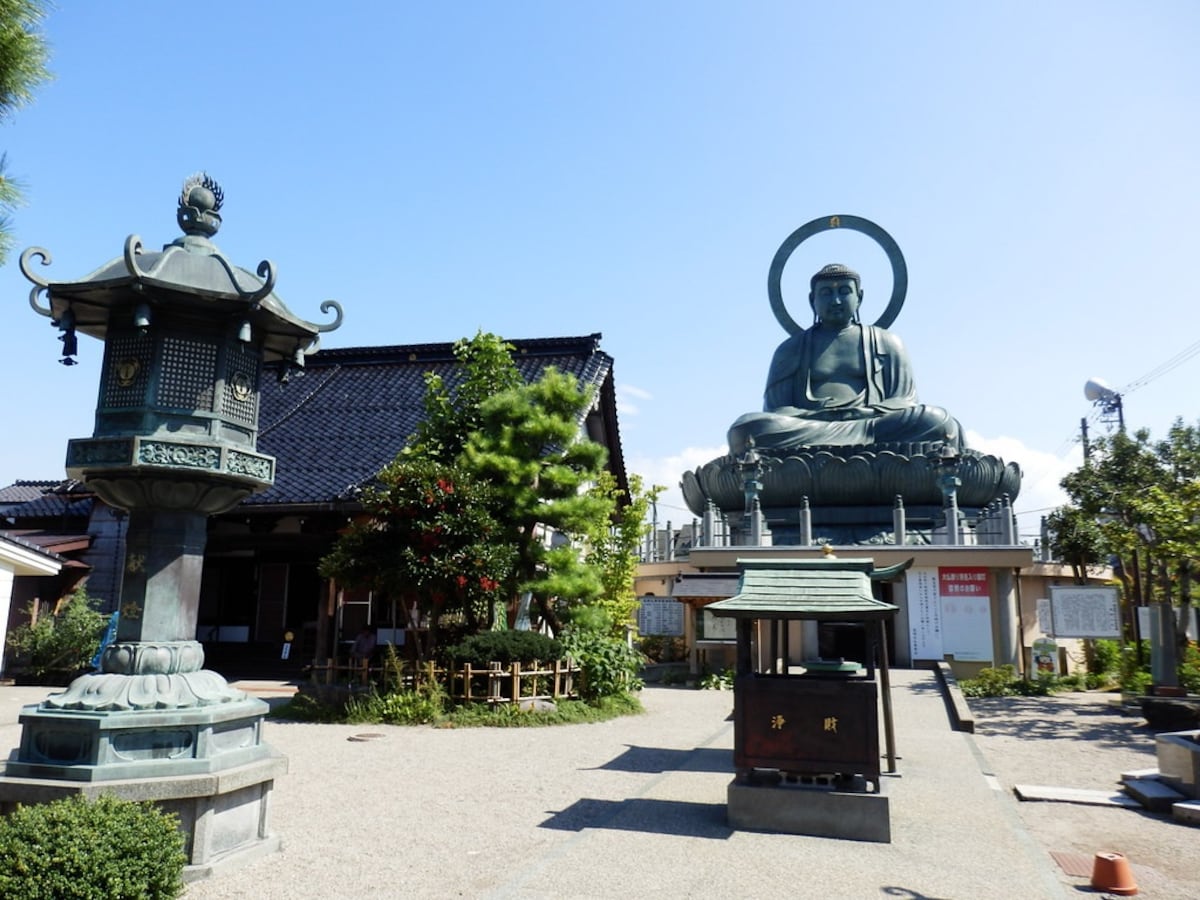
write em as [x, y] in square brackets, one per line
[914, 424]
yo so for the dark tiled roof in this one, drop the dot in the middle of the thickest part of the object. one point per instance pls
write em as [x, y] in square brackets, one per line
[29, 542]
[23, 491]
[333, 427]
[48, 500]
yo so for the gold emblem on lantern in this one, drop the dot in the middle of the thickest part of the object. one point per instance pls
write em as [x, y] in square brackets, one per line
[127, 370]
[241, 387]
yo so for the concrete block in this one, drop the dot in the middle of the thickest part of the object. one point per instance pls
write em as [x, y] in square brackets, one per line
[810, 810]
[1178, 755]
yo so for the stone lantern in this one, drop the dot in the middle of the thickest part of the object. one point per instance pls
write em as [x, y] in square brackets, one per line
[186, 337]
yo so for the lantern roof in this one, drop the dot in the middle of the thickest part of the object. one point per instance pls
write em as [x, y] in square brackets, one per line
[190, 275]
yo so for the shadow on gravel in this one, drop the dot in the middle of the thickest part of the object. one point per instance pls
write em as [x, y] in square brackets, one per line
[677, 817]
[658, 759]
[1045, 718]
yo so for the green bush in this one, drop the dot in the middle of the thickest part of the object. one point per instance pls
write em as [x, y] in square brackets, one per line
[717, 681]
[63, 643]
[104, 849]
[566, 712]
[660, 648]
[1105, 658]
[1189, 669]
[1134, 678]
[608, 666]
[504, 647]
[999, 682]
[423, 706]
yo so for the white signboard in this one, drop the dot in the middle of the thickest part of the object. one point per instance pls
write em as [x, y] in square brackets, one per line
[1085, 611]
[660, 615]
[719, 628]
[924, 614]
[949, 613]
[1045, 622]
[1144, 626]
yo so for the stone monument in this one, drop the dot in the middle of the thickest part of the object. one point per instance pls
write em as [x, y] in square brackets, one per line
[186, 336]
[842, 435]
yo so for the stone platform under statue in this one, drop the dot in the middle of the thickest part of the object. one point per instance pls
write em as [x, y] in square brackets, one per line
[850, 493]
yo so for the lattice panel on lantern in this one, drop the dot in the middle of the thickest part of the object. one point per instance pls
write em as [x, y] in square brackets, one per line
[189, 369]
[239, 400]
[127, 369]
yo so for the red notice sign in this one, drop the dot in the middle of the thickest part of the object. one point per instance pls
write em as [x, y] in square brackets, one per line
[962, 581]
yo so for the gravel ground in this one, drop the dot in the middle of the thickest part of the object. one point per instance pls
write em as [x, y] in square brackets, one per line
[1086, 741]
[636, 806]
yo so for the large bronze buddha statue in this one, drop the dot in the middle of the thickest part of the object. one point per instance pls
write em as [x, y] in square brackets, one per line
[842, 441]
[841, 383]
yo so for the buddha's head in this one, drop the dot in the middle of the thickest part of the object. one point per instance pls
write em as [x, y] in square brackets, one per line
[835, 294]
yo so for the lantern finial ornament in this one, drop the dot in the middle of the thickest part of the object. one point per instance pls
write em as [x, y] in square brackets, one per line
[200, 205]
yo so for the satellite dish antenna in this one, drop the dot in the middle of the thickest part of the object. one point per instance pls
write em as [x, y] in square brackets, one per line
[1109, 401]
[1097, 390]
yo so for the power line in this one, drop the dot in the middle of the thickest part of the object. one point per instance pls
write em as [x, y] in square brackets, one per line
[1154, 374]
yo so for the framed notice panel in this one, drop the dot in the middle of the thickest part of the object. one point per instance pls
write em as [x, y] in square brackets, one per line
[949, 613]
[660, 615]
[1085, 611]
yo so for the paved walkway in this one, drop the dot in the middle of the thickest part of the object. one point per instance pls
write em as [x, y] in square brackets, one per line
[626, 808]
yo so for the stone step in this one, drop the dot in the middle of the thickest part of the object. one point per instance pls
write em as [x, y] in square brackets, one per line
[1186, 811]
[1153, 794]
[1138, 774]
[1073, 795]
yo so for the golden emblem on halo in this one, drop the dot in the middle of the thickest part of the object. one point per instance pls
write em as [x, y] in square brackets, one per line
[127, 370]
[135, 562]
[131, 611]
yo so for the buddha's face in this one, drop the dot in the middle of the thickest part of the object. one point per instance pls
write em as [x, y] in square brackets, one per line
[836, 300]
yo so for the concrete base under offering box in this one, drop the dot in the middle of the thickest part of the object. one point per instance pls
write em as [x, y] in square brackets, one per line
[817, 811]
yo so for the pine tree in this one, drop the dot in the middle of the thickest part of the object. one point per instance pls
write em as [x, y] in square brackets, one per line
[23, 57]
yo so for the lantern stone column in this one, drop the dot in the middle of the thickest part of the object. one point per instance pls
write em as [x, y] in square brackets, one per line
[186, 335]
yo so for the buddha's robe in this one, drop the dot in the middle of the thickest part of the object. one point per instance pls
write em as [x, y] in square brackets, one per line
[886, 410]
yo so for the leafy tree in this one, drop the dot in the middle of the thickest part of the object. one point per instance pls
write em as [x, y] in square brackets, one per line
[531, 508]
[528, 447]
[452, 412]
[1144, 499]
[62, 644]
[613, 547]
[23, 57]
[428, 533]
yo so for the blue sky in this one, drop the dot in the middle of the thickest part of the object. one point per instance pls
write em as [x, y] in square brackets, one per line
[545, 169]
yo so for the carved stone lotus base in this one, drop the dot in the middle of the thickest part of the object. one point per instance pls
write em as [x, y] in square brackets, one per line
[110, 692]
[152, 657]
[850, 490]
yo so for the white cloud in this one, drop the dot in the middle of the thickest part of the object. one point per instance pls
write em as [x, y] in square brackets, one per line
[1041, 473]
[634, 391]
[667, 471]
